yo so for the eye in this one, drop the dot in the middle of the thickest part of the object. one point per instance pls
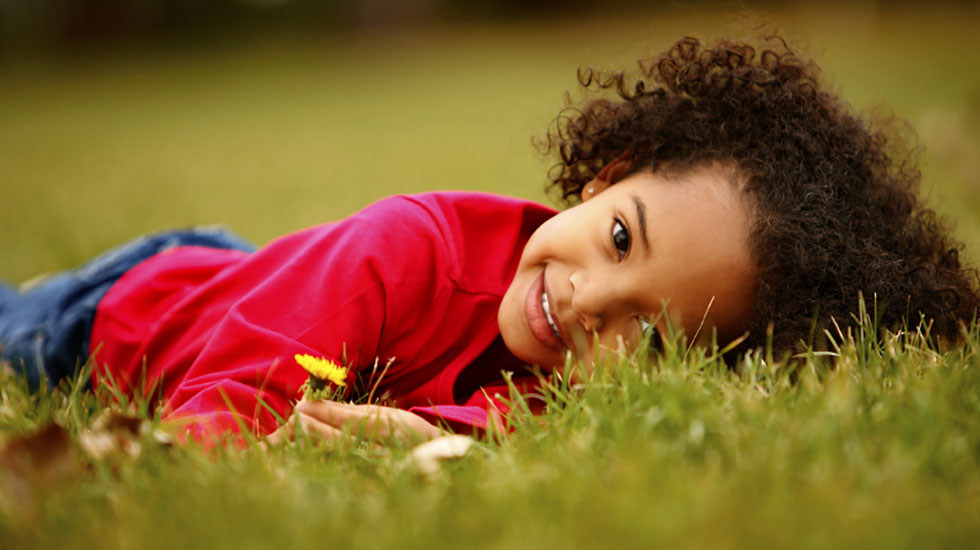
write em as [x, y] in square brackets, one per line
[650, 333]
[644, 325]
[620, 239]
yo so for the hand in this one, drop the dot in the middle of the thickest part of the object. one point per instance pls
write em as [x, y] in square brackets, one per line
[326, 419]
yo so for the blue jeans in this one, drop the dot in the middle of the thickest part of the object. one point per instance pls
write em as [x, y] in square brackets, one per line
[44, 331]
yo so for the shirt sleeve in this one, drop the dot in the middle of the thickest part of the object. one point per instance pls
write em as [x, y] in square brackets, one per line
[330, 292]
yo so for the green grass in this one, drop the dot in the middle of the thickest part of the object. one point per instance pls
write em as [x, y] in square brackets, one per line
[881, 450]
[278, 133]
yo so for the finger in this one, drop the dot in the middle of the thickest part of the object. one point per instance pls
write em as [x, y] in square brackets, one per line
[314, 426]
[367, 418]
[284, 433]
[368, 421]
[386, 422]
[413, 428]
[330, 412]
[371, 421]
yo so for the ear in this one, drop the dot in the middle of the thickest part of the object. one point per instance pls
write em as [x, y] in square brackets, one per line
[610, 174]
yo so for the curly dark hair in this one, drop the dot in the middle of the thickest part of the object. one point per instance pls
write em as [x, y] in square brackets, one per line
[836, 196]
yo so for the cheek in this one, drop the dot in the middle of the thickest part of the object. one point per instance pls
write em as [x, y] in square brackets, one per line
[555, 234]
[734, 314]
[546, 235]
[677, 293]
[612, 346]
[717, 303]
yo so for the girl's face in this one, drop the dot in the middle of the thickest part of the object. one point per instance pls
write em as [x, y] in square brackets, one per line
[610, 264]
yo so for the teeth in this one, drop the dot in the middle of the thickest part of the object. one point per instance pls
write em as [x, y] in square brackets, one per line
[547, 314]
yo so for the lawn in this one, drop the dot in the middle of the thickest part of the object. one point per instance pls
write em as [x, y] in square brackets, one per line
[273, 133]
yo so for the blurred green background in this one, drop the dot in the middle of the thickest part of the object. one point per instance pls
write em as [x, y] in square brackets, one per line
[118, 118]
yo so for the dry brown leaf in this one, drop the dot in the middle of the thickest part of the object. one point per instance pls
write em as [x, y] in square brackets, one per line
[32, 461]
[44, 454]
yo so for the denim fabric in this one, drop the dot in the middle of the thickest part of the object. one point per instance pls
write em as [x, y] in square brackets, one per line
[44, 331]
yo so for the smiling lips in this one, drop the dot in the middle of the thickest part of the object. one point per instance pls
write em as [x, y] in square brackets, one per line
[539, 318]
[547, 314]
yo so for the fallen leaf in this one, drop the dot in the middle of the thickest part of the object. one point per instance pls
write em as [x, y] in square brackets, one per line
[28, 462]
[44, 454]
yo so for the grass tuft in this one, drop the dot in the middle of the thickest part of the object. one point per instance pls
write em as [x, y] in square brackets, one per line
[875, 443]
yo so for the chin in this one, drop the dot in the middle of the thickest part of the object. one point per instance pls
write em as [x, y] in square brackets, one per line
[548, 362]
[528, 353]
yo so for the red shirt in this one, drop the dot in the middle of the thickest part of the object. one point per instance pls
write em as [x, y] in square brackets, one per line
[415, 280]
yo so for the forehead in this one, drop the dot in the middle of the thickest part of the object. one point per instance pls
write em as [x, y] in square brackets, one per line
[701, 204]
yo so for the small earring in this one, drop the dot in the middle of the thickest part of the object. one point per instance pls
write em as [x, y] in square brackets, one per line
[590, 190]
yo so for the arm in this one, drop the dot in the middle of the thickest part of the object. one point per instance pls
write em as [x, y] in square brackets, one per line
[486, 409]
[328, 292]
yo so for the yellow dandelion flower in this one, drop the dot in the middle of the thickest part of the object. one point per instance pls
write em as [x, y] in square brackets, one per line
[323, 369]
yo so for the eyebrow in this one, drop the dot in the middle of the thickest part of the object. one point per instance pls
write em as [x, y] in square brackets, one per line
[641, 215]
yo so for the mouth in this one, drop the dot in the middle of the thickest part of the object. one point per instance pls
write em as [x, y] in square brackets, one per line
[547, 314]
[540, 320]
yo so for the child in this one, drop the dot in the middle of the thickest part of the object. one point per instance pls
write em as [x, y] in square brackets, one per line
[724, 182]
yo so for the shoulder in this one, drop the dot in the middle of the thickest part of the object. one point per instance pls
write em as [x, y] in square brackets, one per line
[460, 220]
[483, 234]
[459, 234]
[462, 214]
[456, 207]
[474, 207]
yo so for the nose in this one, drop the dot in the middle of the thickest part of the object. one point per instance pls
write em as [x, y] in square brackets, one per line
[592, 300]
[604, 308]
